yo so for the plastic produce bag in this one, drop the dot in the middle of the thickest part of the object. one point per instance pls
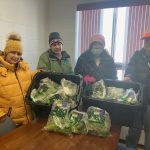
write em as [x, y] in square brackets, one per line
[98, 89]
[69, 88]
[58, 120]
[78, 122]
[115, 93]
[69, 92]
[99, 122]
[47, 92]
[129, 97]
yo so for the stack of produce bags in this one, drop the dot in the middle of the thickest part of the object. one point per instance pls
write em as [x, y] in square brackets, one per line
[95, 121]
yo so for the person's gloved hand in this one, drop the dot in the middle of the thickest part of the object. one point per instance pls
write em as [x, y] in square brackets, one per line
[88, 79]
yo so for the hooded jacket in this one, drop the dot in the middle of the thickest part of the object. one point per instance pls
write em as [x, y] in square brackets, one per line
[14, 83]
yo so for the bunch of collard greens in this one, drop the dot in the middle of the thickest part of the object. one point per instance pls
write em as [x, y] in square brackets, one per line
[49, 91]
[62, 121]
[95, 121]
[58, 120]
[100, 91]
[46, 92]
[99, 122]
[69, 88]
[129, 97]
[69, 92]
[114, 93]
[78, 122]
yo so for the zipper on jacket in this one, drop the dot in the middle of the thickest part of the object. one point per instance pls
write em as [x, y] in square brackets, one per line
[22, 95]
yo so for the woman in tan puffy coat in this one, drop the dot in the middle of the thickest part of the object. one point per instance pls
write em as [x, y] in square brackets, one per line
[15, 78]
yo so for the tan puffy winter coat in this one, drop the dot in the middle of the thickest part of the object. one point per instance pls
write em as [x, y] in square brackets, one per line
[13, 88]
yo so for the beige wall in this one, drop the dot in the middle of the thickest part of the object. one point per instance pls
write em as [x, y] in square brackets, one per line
[29, 18]
[35, 19]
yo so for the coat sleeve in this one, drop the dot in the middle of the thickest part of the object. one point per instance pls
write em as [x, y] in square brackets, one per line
[113, 70]
[109, 71]
[42, 63]
[79, 68]
[70, 70]
[33, 73]
[131, 67]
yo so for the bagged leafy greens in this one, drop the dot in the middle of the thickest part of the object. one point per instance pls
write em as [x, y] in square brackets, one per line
[114, 92]
[69, 92]
[98, 89]
[47, 92]
[99, 122]
[130, 97]
[58, 120]
[78, 122]
[69, 88]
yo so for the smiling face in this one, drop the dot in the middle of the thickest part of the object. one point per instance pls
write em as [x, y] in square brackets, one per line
[56, 47]
[13, 57]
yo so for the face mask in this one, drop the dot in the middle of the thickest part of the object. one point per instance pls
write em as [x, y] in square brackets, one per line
[96, 52]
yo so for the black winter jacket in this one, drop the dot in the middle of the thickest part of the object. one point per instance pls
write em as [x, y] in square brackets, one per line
[86, 66]
[138, 70]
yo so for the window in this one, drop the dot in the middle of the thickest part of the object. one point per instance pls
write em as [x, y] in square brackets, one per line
[106, 26]
[112, 26]
[122, 28]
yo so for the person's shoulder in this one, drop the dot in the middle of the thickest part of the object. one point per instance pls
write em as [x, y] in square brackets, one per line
[105, 52]
[138, 53]
[24, 65]
[106, 55]
[85, 54]
[65, 54]
[44, 53]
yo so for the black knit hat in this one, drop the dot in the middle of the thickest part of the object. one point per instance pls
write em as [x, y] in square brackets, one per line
[54, 37]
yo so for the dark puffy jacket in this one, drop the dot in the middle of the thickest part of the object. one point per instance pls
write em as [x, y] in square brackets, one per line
[138, 70]
[86, 66]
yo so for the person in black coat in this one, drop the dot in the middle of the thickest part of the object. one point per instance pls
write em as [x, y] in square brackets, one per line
[138, 70]
[96, 63]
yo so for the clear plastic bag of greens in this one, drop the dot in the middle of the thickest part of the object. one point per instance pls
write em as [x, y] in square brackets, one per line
[99, 122]
[47, 92]
[69, 92]
[78, 122]
[114, 93]
[99, 89]
[69, 88]
[58, 119]
[130, 97]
